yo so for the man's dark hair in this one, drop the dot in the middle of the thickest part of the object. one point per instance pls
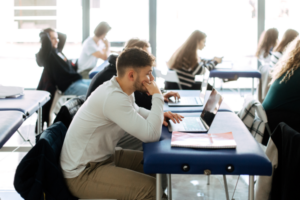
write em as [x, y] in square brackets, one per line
[101, 29]
[48, 30]
[135, 58]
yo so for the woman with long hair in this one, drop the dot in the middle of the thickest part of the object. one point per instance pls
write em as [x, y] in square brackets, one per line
[187, 64]
[282, 103]
[267, 42]
[288, 36]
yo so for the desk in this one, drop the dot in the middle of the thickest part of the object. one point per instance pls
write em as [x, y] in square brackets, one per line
[29, 103]
[10, 121]
[247, 158]
[236, 73]
[97, 69]
[193, 93]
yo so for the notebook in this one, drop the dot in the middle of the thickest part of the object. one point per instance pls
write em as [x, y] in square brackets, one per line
[203, 141]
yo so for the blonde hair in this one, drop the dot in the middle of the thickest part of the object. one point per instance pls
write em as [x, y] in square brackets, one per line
[288, 63]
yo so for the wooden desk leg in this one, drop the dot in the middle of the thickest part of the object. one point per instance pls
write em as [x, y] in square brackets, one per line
[251, 187]
[39, 121]
[158, 187]
[169, 187]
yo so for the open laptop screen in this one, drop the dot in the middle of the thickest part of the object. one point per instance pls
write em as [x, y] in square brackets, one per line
[204, 83]
[211, 108]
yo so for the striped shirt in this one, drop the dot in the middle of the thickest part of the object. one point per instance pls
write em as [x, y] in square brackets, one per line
[275, 57]
[187, 77]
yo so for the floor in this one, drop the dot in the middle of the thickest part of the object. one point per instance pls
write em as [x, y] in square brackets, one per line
[190, 187]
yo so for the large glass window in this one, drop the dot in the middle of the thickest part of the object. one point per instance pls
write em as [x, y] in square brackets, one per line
[283, 15]
[230, 26]
[22, 21]
[128, 18]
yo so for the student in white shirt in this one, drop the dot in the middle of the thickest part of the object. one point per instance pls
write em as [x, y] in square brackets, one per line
[91, 166]
[288, 36]
[267, 42]
[93, 48]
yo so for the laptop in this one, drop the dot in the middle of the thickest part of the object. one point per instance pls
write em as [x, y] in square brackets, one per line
[200, 124]
[191, 101]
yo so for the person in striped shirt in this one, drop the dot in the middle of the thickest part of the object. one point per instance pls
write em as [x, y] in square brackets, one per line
[288, 36]
[186, 62]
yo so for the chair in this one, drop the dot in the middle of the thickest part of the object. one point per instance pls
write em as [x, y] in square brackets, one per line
[263, 85]
[255, 119]
[39, 173]
[170, 76]
[58, 100]
[68, 110]
[283, 151]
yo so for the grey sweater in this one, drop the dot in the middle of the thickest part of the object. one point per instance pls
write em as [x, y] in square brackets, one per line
[101, 122]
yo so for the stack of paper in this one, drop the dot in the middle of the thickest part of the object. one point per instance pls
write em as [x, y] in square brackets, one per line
[206, 141]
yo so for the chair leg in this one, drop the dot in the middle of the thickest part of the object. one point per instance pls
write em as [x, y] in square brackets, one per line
[169, 187]
[24, 139]
[226, 187]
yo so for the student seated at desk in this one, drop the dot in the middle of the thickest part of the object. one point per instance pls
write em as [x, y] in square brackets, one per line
[282, 103]
[268, 40]
[59, 68]
[187, 64]
[91, 166]
[141, 99]
[288, 36]
[93, 48]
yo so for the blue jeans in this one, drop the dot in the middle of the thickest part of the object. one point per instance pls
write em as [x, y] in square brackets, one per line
[78, 88]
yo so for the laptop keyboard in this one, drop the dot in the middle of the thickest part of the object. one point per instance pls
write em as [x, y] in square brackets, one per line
[192, 124]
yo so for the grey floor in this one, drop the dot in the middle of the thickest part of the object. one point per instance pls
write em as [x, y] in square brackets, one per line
[183, 186]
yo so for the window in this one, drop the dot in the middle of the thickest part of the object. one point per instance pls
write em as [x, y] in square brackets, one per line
[23, 20]
[283, 15]
[230, 26]
[128, 18]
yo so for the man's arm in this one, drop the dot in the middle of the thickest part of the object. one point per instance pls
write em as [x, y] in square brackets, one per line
[119, 109]
[62, 40]
[45, 49]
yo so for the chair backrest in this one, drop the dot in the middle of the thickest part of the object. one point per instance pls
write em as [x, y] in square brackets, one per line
[254, 117]
[69, 109]
[171, 76]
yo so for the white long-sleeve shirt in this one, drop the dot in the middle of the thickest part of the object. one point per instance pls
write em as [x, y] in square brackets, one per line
[100, 123]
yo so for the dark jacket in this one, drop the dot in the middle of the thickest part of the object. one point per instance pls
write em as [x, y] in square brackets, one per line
[276, 116]
[141, 99]
[39, 171]
[285, 183]
[62, 72]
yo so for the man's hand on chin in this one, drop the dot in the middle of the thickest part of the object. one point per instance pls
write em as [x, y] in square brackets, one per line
[176, 118]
